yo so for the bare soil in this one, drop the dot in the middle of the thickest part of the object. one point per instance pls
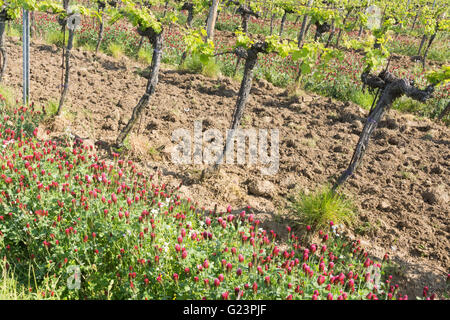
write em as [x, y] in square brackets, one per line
[401, 190]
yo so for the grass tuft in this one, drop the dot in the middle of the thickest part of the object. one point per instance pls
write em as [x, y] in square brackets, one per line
[145, 56]
[318, 208]
[9, 288]
[51, 108]
[116, 50]
[7, 94]
[56, 37]
[211, 69]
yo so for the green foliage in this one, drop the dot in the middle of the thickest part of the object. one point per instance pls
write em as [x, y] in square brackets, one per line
[51, 7]
[439, 77]
[287, 5]
[243, 40]
[141, 18]
[283, 48]
[309, 55]
[374, 57]
[321, 15]
[197, 46]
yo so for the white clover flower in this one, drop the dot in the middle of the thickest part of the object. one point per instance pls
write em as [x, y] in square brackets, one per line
[69, 132]
[8, 143]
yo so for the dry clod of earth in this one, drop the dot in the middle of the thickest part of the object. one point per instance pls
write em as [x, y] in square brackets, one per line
[261, 188]
[436, 195]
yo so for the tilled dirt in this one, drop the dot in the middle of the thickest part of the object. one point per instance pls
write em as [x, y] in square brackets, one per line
[401, 190]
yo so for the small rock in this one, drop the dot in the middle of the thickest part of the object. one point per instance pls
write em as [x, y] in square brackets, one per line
[384, 205]
[318, 169]
[290, 143]
[306, 173]
[310, 135]
[347, 116]
[436, 195]
[340, 149]
[437, 169]
[372, 190]
[83, 72]
[262, 188]
[394, 141]
[357, 125]
[267, 119]
[169, 117]
[391, 123]
[306, 98]
[424, 128]
[264, 84]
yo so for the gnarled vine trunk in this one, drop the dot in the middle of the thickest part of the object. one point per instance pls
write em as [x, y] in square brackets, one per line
[245, 13]
[444, 112]
[251, 57]
[422, 42]
[426, 50]
[340, 29]
[321, 29]
[391, 89]
[189, 6]
[283, 21]
[32, 24]
[271, 23]
[66, 57]
[157, 42]
[4, 57]
[211, 20]
[302, 33]
[101, 9]
[331, 35]
[67, 71]
[303, 29]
